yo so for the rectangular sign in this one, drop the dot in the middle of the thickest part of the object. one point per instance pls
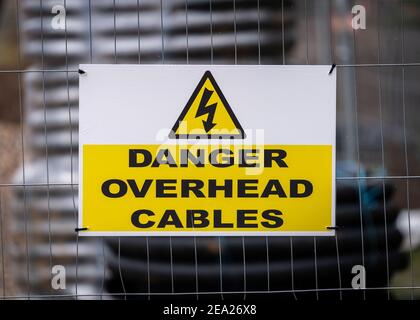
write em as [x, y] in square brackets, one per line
[206, 150]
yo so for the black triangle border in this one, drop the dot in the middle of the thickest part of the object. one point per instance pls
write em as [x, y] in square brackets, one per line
[240, 135]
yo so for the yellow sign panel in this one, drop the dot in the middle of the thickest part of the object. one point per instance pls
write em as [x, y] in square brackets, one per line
[207, 188]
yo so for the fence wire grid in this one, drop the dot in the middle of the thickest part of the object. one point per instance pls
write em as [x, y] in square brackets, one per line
[378, 148]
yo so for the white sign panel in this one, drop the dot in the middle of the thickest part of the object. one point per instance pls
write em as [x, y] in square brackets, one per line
[207, 150]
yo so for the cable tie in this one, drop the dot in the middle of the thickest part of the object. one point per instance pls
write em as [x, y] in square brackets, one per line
[333, 228]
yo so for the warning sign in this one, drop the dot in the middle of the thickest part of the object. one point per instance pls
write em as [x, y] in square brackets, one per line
[167, 150]
[207, 114]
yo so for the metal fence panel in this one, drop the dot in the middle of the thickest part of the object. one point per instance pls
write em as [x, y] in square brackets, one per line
[378, 154]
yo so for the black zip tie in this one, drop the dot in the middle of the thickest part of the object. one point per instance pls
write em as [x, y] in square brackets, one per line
[333, 228]
[81, 71]
[332, 68]
[80, 229]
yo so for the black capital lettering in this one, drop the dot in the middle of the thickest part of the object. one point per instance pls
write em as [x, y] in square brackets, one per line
[170, 218]
[225, 161]
[273, 219]
[218, 223]
[133, 158]
[278, 189]
[294, 188]
[139, 193]
[162, 186]
[246, 185]
[135, 218]
[197, 219]
[193, 186]
[226, 188]
[164, 157]
[106, 188]
[276, 155]
[244, 215]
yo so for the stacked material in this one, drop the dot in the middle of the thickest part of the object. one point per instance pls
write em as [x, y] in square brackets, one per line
[46, 205]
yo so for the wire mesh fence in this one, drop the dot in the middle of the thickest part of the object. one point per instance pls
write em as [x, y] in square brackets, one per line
[378, 149]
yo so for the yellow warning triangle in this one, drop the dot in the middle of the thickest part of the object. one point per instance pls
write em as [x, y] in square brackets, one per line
[207, 115]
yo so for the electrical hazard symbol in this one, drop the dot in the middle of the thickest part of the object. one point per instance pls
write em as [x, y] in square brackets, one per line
[207, 115]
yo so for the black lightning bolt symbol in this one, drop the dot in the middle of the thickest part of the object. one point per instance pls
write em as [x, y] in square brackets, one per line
[204, 109]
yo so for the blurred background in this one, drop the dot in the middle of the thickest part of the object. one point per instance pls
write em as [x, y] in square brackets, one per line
[378, 147]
